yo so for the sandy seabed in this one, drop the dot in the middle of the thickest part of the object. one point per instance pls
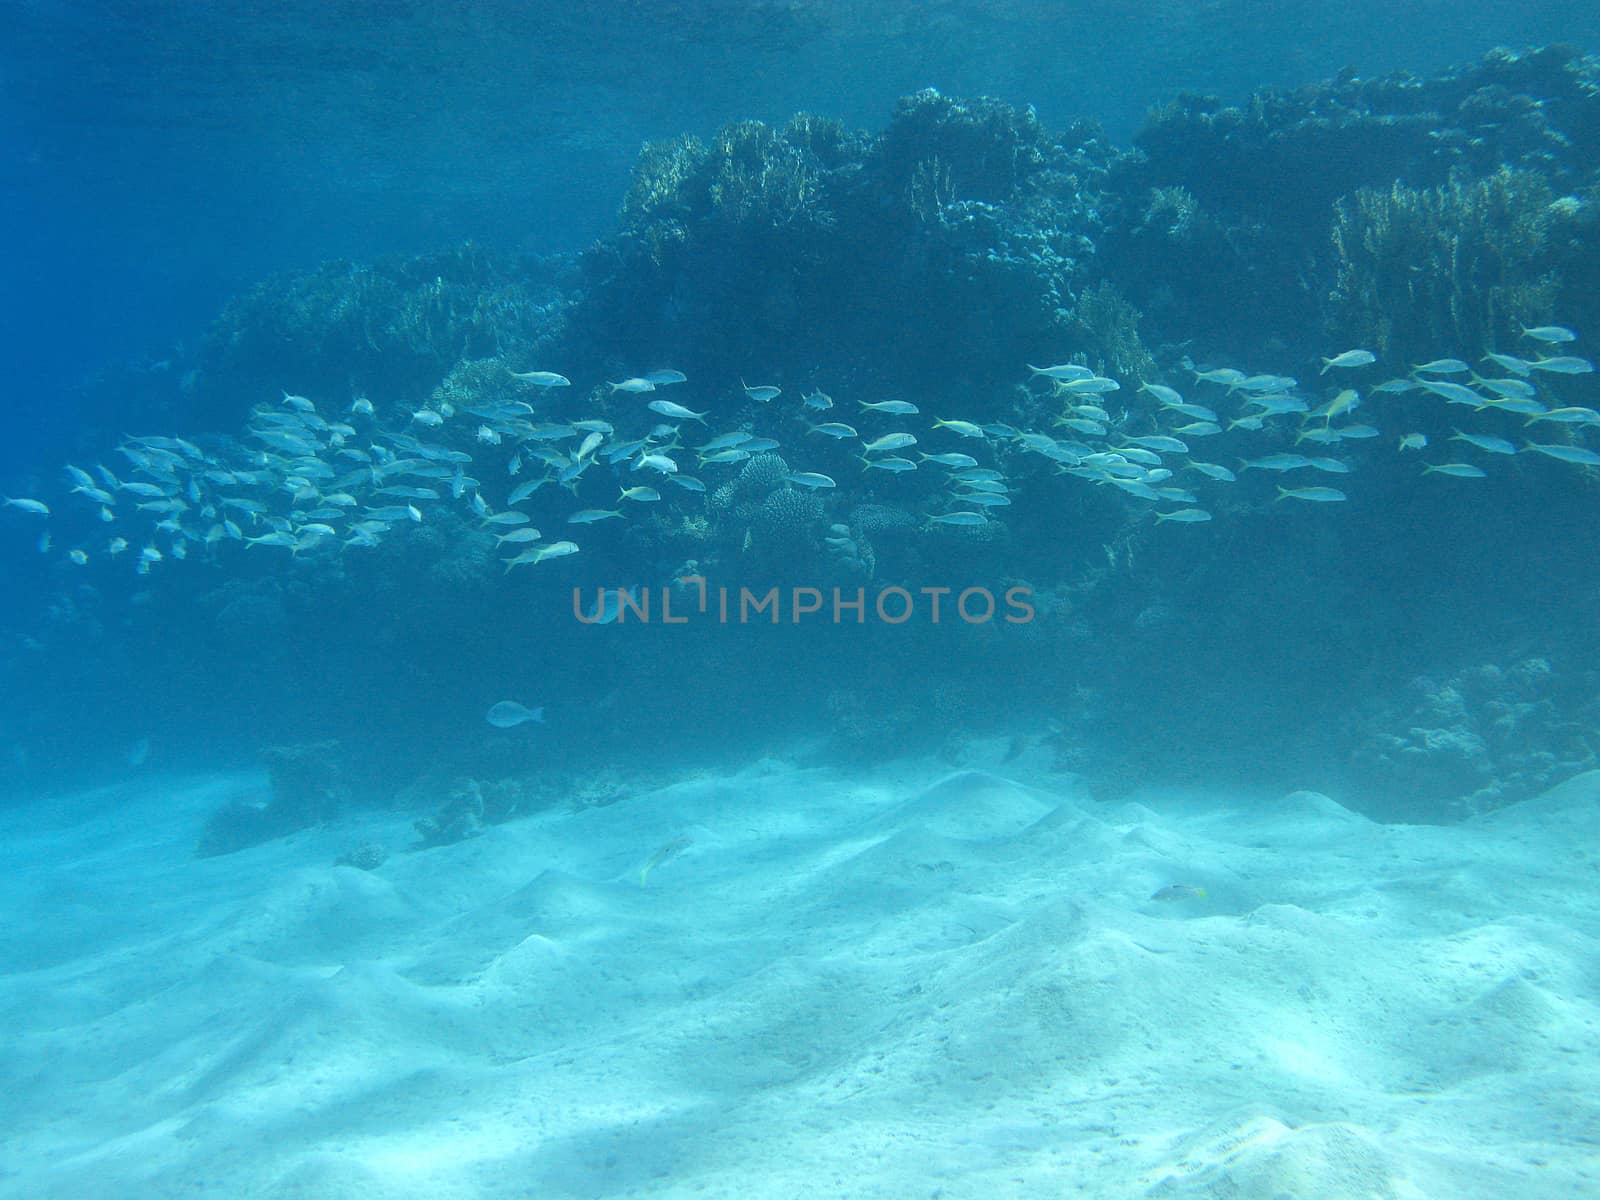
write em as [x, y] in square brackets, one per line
[908, 982]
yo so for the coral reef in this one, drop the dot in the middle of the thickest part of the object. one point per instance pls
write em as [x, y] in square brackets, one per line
[390, 330]
[460, 817]
[1107, 326]
[368, 856]
[1235, 200]
[1463, 264]
[472, 805]
[306, 788]
[967, 216]
[772, 524]
[1479, 740]
[852, 555]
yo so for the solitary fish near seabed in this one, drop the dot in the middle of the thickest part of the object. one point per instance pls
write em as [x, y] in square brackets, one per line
[508, 714]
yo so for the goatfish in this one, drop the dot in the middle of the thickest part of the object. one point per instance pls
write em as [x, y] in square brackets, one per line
[37, 507]
[670, 850]
[1342, 405]
[1563, 364]
[1161, 444]
[726, 441]
[810, 479]
[1571, 454]
[1455, 393]
[1093, 385]
[1317, 494]
[675, 411]
[656, 462]
[964, 429]
[1493, 445]
[762, 393]
[1228, 377]
[835, 429]
[1568, 416]
[1350, 358]
[890, 441]
[1064, 372]
[1510, 362]
[539, 554]
[899, 408]
[517, 536]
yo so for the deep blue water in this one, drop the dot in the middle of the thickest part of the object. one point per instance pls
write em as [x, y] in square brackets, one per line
[163, 159]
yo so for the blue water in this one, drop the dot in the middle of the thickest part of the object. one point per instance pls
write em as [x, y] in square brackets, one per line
[1248, 859]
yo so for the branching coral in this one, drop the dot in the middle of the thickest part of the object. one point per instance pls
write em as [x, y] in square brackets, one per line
[1457, 266]
[1105, 323]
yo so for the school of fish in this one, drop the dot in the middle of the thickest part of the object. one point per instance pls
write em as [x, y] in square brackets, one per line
[304, 483]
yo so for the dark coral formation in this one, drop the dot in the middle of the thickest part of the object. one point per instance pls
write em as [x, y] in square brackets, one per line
[1305, 217]
[968, 217]
[1235, 203]
[306, 787]
[1483, 738]
[390, 330]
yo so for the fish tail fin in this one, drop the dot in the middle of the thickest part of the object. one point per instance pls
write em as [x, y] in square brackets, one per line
[1326, 363]
[1283, 493]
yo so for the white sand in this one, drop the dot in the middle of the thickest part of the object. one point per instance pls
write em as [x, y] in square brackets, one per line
[911, 983]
